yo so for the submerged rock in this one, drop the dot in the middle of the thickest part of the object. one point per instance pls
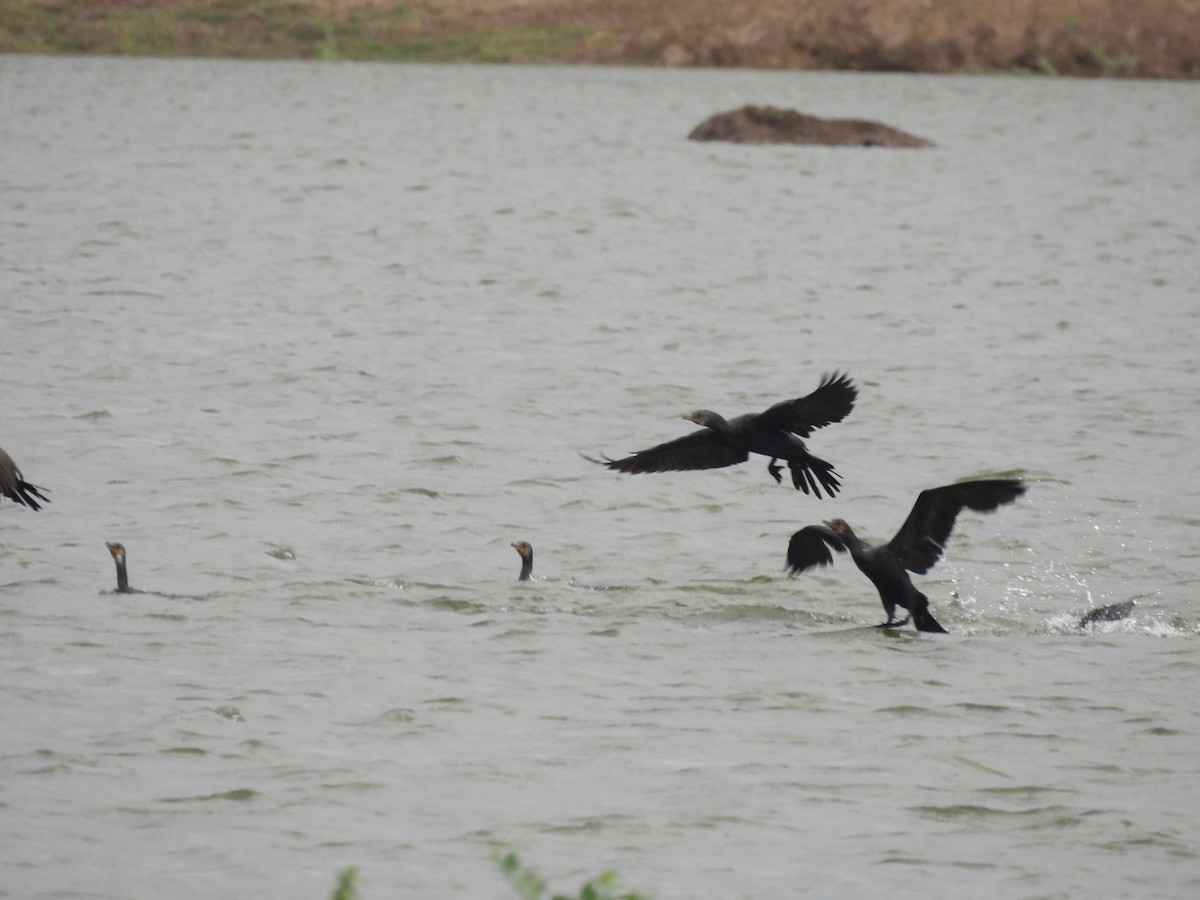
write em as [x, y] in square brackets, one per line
[772, 125]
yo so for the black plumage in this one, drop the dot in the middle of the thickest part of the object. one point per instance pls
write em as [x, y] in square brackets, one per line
[776, 433]
[916, 547]
[525, 549]
[14, 486]
[118, 555]
[1113, 612]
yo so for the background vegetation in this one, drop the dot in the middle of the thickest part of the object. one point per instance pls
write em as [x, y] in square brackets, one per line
[1150, 38]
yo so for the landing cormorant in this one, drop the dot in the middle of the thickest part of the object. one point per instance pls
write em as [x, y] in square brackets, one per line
[14, 486]
[526, 551]
[775, 433]
[118, 555]
[916, 547]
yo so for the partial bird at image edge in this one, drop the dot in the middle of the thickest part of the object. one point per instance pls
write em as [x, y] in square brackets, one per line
[14, 486]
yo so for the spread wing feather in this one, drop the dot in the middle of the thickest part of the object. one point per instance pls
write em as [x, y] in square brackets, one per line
[919, 542]
[810, 547]
[703, 449]
[830, 402]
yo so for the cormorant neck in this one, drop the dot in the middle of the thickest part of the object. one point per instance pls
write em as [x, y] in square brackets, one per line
[716, 422]
[122, 578]
[854, 543]
[526, 567]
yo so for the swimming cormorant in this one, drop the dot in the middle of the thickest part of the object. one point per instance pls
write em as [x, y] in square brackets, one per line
[775, 433]
[1113, 612]
[15, 487]
[118, 555]
[526, 551]
[916, 547]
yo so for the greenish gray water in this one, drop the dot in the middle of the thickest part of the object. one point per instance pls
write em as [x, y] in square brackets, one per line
[317, 342]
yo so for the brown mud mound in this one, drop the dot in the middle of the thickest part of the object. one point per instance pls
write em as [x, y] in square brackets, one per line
[771, 125]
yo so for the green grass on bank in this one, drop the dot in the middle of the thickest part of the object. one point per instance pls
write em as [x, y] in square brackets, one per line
[262, 30]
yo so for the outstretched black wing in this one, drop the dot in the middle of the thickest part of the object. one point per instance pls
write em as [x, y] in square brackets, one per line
[919, 542]
[810, 547]
[703, 449]
[830, 402]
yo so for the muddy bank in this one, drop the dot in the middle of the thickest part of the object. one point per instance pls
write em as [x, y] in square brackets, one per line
[1151, 38]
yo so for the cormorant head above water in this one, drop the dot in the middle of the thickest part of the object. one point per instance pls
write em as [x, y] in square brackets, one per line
[916, 547]
[14, 486]
[775, 433]
[526, 550]
[118, 555]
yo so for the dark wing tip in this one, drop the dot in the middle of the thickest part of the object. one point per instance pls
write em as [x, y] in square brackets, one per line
[841, 379]
[628, 465]
[631, 465]
[841, 386]
[831, 402]
[988, 494]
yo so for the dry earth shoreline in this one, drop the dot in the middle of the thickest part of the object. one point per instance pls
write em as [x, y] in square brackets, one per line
[1148, 39]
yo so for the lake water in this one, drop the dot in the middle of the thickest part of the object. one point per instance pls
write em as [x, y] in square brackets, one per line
[317, 342]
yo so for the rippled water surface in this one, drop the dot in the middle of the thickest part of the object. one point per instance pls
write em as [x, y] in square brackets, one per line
[317, 342]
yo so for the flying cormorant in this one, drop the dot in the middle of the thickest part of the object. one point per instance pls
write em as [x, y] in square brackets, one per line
[15, 487]
[526, 551]
[775, 433]
[916, 547]
[118, 555]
